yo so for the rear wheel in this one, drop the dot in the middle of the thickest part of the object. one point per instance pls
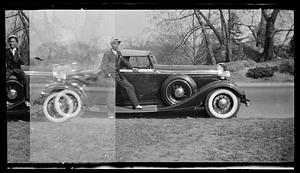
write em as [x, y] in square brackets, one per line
[50, 111]
[222, 104]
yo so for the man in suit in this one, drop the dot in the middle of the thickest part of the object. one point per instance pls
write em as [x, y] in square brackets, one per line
[110, 66]
[14, 60]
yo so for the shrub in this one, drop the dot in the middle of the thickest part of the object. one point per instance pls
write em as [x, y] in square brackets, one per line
[284, 52]
[287, 67]
[236, 50]
[238, 53]
[260, 72]
[239, 65]
[253, 53]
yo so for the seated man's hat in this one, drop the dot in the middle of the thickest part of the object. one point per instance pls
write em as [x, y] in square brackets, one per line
[12, 36]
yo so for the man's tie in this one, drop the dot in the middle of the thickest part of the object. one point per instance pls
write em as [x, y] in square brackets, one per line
[118, 57]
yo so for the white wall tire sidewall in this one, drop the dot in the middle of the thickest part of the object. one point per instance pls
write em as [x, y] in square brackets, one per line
[70, 113]
[46, 113]
[233, 109]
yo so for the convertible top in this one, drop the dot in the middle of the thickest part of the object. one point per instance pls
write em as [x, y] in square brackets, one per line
[131, 52]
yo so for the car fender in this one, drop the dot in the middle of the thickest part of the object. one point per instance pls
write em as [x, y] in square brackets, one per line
[203, 92]
[197, 100]
[181, 76]
[71, 85]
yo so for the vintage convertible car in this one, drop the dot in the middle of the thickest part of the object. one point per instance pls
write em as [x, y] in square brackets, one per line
[158, 88]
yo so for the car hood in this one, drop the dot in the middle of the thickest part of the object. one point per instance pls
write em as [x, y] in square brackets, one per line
[82, 73]
[211, 69]
[37, 70]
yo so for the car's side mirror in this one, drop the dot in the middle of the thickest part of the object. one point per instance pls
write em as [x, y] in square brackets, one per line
[39, 58]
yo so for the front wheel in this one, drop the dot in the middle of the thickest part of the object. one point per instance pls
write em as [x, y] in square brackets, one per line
[15, 92]
[222, 104]
[71, 98]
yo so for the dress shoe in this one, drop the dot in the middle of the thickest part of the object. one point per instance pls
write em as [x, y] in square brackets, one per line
[139, 107]
[27, 103]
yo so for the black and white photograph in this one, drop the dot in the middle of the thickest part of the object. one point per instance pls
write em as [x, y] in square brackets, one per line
[124, 86]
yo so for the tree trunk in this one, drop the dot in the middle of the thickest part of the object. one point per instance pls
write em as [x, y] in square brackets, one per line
[227, 37]
[210, 58]
[292, 44]
[268, 53]
[261, 31]
[211, 27]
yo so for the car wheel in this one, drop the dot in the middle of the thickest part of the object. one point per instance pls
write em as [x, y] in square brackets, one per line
[15, 92]
[50, 111]
[222, 104]
[177, 90]
[70, 98]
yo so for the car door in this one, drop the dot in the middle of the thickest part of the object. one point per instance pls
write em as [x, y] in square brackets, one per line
[144, 81]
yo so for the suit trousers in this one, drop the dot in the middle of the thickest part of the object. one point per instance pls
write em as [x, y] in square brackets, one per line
[124, 83]
[108, 83]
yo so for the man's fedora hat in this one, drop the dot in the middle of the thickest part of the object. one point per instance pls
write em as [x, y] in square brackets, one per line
[115, 40]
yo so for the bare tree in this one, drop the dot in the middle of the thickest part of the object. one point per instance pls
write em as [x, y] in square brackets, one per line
[278, 50]
[268, 53]
[260, 35]
[213, 28]
[210, 58]
[227, 31]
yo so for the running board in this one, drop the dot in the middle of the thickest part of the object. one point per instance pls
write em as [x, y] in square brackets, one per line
[128, 109]
[123, 109]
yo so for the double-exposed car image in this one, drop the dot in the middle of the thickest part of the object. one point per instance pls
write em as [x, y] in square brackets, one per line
[158, 88]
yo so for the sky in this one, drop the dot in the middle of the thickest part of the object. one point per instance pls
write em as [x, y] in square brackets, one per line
[85, 25]
[131, 22]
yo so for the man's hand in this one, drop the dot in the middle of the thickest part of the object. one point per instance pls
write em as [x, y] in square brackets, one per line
[135, 70]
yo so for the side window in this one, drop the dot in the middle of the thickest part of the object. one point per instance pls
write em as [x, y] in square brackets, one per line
[141, 62]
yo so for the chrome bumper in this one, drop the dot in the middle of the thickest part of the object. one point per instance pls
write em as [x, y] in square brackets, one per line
[246, 101]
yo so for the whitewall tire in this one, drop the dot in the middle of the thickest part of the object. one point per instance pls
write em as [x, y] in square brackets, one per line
[222, 104]
[70, 98]
[50, 111]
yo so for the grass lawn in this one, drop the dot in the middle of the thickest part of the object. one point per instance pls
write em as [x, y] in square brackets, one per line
[18, 142]
[153, 140]
[205, 140]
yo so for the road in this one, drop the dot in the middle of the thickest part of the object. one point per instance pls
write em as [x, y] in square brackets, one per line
[268, 100]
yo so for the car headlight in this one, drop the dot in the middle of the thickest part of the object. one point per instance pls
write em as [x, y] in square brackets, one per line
[58, 74]
[224, 74]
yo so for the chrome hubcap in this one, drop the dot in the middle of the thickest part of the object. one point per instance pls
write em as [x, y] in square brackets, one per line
[12, 94]
[179, 92]
[223, 103]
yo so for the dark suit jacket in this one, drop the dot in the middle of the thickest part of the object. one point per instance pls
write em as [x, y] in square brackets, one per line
[111, 63]
[14, 61]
